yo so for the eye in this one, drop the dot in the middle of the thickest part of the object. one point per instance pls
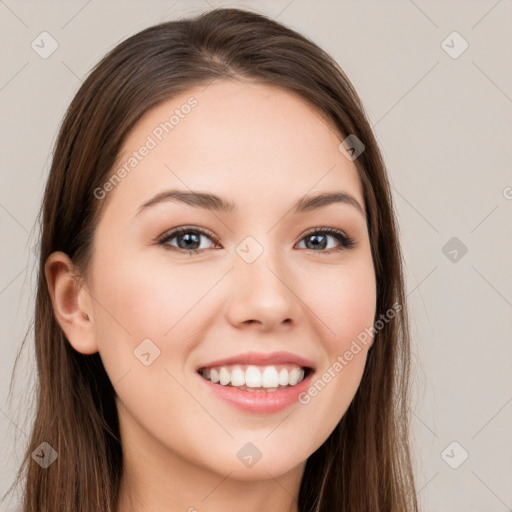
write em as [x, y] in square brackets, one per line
[189, 240]
[318, 239]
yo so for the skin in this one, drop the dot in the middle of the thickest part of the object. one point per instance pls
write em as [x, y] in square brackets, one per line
[263, 148]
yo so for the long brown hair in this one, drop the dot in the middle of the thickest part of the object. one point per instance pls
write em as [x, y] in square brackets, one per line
[365, 464]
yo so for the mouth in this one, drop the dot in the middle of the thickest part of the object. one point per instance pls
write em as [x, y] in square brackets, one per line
[256, 378]
[256, 382]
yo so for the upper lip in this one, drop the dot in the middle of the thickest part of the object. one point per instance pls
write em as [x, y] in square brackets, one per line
[260, 358]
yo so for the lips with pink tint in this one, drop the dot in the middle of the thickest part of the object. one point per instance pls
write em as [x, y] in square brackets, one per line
[262, 402]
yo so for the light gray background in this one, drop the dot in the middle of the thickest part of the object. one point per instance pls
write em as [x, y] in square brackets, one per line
[445, 128]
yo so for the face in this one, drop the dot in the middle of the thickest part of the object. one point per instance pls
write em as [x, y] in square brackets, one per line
[261, 278]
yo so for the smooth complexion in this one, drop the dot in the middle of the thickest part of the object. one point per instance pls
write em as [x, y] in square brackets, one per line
[264, 149]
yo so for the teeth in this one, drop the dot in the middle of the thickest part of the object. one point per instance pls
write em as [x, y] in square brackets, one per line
[269, 377]
[283, 377]
[237, 377]
[293, 378]
[253, 377]
[224, 376]
[214, 375]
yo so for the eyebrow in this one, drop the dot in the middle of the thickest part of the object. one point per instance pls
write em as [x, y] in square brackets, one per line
[212, 202]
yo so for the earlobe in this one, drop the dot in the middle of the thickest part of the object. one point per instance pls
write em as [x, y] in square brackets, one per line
[71, 303]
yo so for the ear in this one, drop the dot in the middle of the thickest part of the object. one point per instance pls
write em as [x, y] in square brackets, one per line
[71, 302]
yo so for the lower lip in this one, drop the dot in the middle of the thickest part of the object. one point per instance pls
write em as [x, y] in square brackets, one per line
[262, 402]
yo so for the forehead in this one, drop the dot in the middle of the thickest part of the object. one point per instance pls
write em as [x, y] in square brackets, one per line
[242, 140]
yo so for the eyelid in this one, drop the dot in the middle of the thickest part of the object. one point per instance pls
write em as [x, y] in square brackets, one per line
[184, 229]
[325, 229]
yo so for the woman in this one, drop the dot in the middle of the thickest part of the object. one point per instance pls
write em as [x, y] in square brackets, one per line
[220, 320]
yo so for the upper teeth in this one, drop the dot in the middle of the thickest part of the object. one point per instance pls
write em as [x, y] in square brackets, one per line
[255, 376]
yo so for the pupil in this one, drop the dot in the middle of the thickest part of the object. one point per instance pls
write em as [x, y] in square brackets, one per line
[316, 243]
[189, 237]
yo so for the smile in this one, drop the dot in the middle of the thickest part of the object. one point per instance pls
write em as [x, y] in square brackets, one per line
[268, 378]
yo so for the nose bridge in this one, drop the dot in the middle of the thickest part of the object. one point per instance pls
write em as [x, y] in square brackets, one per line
[263, 284]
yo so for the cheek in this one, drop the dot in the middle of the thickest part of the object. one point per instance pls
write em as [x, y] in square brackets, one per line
[140, 301]
[149, 299]
[345, 302]
[136, 303]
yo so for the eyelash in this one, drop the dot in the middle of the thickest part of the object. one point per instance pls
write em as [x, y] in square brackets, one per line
[346, 242]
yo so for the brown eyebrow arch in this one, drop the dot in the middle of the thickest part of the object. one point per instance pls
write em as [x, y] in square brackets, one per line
[216, 203]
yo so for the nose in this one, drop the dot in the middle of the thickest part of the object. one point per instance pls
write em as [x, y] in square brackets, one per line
[262, 293]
